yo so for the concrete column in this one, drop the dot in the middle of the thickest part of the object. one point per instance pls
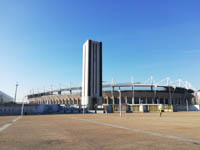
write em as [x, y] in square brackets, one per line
[107, 100]
[139, 100]
[113, 99]
[69, 101]
[126, 99]
[133, 100]
[113, 102]
[79, 102]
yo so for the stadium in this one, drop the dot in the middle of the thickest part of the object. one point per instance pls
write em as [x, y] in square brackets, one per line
[134, 96]
[148, 96]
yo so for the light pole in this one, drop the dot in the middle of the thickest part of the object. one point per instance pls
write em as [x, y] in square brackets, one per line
[133, 88]
[187, 104]
[22, 108]
[16, 92]
[83, 109]
[120, 103]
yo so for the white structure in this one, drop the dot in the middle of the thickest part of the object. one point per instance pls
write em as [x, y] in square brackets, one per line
[4, 98]
[92, 74]
[197, 97]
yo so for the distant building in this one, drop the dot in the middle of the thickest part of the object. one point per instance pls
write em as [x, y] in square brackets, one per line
[4, 98]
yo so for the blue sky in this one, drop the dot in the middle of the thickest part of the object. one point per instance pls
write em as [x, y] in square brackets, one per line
[41, 41]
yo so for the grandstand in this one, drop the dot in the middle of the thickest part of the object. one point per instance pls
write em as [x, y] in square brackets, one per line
[150, 96]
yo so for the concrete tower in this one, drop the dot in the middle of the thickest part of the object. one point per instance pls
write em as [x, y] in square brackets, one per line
[92, 74]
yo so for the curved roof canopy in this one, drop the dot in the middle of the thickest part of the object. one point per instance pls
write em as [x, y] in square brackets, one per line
[4, 98]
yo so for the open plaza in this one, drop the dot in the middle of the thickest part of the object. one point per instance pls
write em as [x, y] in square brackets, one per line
[146, 131]
[100, 75]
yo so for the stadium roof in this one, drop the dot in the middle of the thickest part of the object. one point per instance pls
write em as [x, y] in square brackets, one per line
[4, 98]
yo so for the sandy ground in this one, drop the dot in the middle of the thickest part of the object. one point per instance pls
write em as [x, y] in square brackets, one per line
[6, 119]
[103, 131]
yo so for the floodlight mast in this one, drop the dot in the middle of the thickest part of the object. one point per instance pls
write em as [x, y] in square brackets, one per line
[16, 92]
[133, 89]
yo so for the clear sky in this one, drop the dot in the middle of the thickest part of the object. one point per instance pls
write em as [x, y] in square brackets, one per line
[41, 41]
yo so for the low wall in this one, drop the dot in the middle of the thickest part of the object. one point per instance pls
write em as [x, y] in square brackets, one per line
[138, 108]
[29, 109]
[184, 108]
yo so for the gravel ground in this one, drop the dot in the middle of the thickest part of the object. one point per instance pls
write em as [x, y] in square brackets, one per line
[6, 119]
[103, 132]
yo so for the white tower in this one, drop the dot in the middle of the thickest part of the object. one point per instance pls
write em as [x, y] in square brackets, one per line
[92, 74]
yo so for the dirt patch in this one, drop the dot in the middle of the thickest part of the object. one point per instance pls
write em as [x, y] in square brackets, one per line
[60, 132]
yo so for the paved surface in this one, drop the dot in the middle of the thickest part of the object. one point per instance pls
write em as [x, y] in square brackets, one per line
[104, 131]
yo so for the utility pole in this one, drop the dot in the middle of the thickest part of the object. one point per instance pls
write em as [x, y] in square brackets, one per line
[16, 92]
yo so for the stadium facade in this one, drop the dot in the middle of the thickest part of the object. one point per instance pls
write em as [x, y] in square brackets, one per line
[133, 95]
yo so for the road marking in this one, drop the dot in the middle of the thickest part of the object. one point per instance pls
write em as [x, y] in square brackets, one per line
[142, 131]
[9, 124]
